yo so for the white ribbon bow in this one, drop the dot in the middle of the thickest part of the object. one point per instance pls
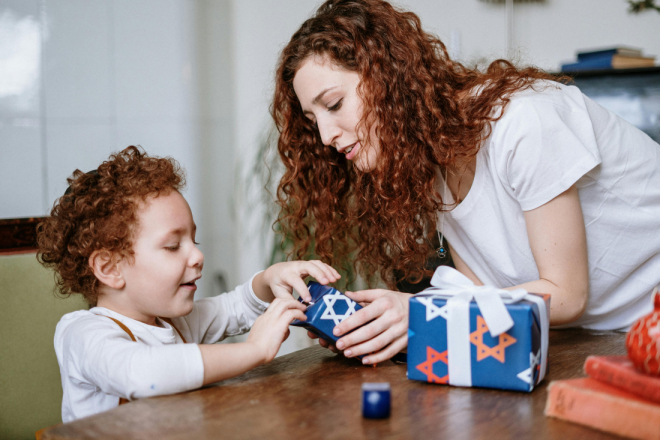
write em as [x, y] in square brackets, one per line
[459, 291]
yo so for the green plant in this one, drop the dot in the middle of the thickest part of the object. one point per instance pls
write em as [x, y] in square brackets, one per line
[637, 6]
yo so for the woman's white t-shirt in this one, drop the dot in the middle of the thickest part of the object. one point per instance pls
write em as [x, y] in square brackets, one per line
[99, 363]
[547, 140]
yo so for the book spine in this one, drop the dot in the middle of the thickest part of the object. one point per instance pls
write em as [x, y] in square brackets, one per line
[603, 411]
[623, 378]
[584, 56]
[594, 64]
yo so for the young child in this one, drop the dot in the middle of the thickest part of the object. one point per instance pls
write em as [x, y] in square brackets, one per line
[124, 238]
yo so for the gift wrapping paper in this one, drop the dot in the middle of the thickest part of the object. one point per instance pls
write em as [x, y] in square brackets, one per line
[495, 338]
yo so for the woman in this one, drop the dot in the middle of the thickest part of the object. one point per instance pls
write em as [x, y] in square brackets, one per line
[387, 141]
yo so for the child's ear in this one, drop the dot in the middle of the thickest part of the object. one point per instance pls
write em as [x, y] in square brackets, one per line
[105, 265]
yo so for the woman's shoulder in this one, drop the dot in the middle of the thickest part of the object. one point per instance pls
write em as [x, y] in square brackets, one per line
[545, 96]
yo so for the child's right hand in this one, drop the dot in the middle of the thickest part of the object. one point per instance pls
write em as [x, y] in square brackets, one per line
[272, 328]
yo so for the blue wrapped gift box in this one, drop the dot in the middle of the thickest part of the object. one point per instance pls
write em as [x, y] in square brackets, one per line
[450, 322]
[327, 308]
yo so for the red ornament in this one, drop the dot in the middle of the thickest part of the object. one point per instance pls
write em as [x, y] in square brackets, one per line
[643, 340]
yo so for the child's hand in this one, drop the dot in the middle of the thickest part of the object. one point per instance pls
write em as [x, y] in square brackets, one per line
[282, 278]
[272, 328]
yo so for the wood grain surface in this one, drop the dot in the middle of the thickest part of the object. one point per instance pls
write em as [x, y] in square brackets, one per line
[314, 394]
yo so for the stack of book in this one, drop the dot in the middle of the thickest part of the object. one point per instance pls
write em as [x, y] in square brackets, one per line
[612, 58]
[615, 398]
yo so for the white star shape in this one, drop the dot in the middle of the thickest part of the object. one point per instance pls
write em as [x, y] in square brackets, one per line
[329, 312]
[528, 375]
[433, 311]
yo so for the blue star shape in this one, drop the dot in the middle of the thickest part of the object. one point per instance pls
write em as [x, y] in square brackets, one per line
[329, 312]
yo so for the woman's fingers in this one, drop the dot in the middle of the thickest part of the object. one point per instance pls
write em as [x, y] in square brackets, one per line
[374, 345]
[323, 343]
[361, 317]
[388, 352]
[364, 333]
[366, 296]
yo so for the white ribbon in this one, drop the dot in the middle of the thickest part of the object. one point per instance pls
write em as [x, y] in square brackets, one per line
[459, 291]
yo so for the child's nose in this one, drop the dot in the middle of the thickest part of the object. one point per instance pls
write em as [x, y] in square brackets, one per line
[197, 258]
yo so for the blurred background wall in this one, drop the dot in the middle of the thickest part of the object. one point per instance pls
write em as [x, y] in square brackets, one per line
[192, 79]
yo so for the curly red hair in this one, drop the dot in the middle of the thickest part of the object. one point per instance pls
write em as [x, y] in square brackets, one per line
[99, 211]
[427, 117]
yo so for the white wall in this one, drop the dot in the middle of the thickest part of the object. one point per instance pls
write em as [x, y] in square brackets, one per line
[110, 73]
[92, 77]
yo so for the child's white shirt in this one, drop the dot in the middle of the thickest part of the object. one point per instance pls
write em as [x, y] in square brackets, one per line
[99, 363]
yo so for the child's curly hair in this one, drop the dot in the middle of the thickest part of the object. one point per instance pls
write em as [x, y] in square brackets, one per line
[99, 211]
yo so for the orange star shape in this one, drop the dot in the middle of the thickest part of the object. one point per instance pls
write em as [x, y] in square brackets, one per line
[483, 350]
[426, 367]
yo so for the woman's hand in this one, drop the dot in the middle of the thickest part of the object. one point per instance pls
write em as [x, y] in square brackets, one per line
[387, 332]
[279, 280]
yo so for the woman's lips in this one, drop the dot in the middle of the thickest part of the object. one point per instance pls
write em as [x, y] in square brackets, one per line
[350, 155]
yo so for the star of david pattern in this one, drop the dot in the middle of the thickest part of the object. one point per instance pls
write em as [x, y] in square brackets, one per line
[329, 312]
[483, 350]
[433, 311]
[527, 375]
[426, 367]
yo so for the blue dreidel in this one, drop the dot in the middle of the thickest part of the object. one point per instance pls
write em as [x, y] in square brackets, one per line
[376, 400]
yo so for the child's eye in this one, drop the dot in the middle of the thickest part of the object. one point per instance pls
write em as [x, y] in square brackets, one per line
[337, 106]
[172, 248]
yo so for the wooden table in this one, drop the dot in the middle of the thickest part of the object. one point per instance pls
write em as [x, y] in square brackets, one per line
[315, 394]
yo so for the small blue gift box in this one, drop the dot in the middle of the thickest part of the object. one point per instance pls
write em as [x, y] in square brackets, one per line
[466, 335]
[327, 308]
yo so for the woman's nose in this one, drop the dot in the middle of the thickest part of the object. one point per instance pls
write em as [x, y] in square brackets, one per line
[329, 132]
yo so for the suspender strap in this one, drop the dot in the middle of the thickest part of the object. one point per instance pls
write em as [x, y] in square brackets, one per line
[127, 330]
[169, 321]
[130, 333]
[123, 327]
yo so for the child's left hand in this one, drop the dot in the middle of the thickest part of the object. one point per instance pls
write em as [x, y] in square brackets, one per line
[280, 279]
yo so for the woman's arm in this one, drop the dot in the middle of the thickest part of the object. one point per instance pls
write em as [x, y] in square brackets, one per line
[558, 240]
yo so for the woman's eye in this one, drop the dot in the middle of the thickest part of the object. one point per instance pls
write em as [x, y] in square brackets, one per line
[337, 106]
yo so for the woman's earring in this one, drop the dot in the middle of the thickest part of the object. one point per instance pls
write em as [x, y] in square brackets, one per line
[441, 251]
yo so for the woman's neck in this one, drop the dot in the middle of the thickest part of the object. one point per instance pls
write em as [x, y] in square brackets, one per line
[460, 177]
